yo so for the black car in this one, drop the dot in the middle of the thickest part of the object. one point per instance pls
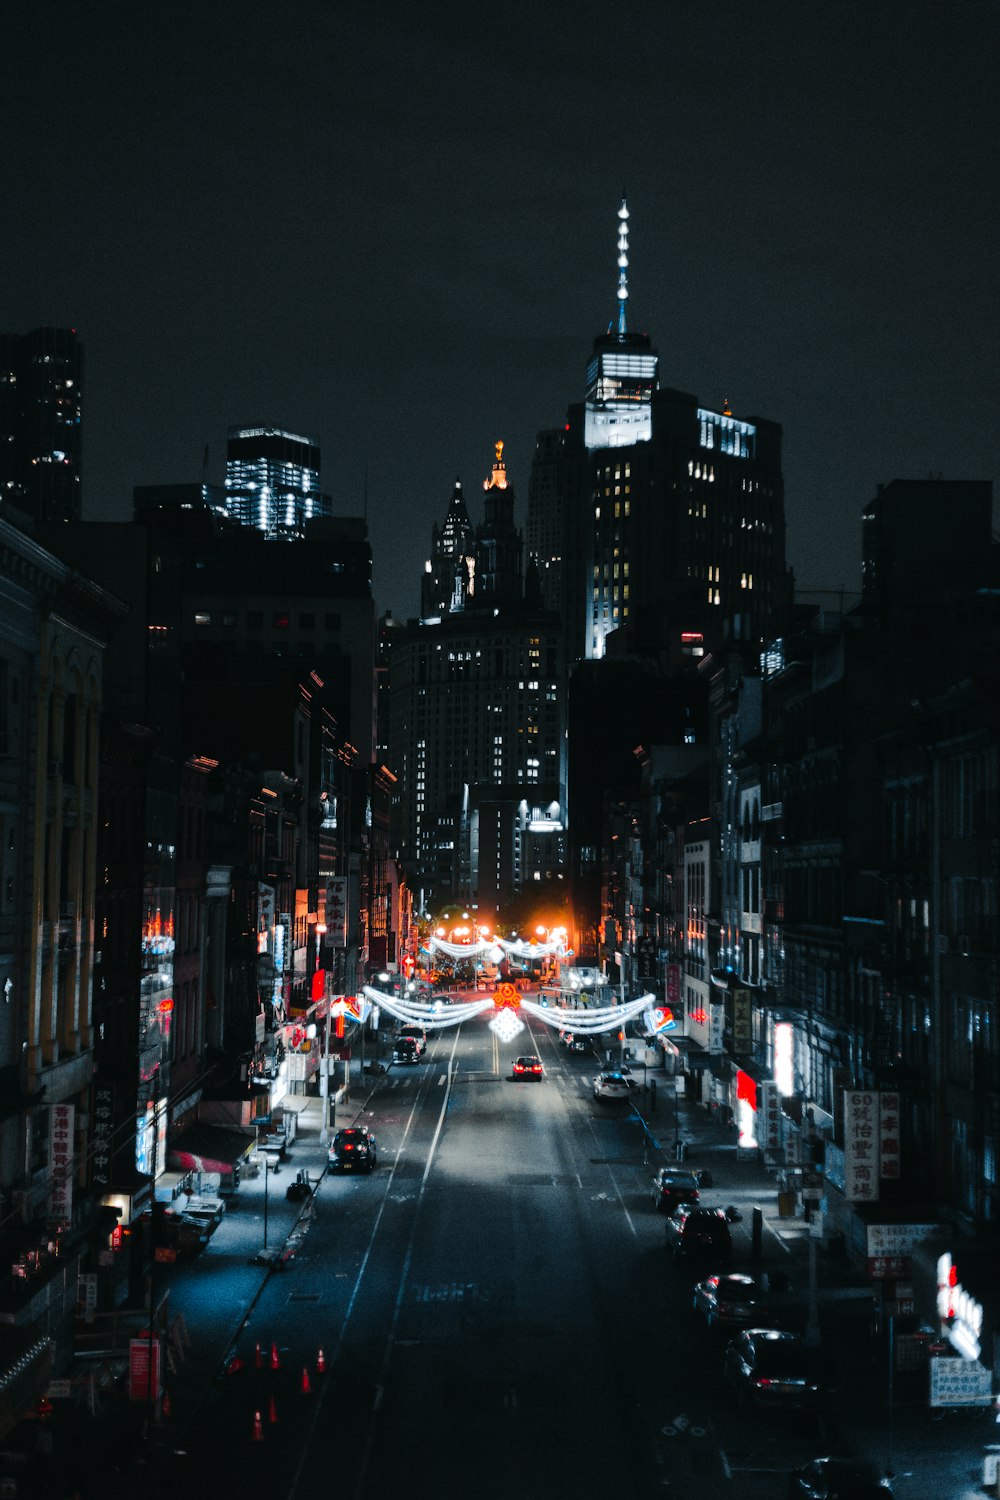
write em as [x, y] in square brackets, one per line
[699, 1234]
[418, 1035]
[838, 1479]
[733, 1301]
[405, 1049]
[672, 1188]
[774, 1370]
[354, 1149]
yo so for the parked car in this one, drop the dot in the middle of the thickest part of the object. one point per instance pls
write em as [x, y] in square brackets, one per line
[695, 1233]
[838, 1479]
[353, 1149]
[671, 1188]
[611, 1084]
[417, 1034]
[527, 1067]
[734, 1301]
[774, 1370]
[405, 1050]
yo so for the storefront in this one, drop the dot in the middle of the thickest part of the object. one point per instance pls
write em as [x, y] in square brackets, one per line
[211, 1156]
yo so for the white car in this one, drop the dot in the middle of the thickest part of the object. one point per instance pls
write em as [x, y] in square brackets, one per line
[610, 1084]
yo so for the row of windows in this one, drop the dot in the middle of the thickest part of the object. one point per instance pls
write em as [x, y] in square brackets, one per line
[281, 619]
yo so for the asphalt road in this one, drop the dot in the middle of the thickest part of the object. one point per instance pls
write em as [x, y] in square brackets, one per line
[496, 1309]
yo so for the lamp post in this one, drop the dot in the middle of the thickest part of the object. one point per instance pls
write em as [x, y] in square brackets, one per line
[267, 1173]
[324, 1085]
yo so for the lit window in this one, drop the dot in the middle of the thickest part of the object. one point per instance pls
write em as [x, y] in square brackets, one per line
[202, 619]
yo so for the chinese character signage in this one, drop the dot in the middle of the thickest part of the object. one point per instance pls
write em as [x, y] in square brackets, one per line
[888, 1135]
[101, 1133]
[673, 986]
[768, 1116]
[742, 1035]
[61, 1125]
[717, 1016]
[336, 912]
[861, 1155]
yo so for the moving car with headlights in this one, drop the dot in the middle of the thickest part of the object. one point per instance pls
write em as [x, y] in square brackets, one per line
[699, 1234]
[611, 1084]
[671, 1188]
[773, 1370]
[574, 1042]
[527, 1067]
[353, 1150]
[838, 1479]
[405, 1050]
[734, 1301]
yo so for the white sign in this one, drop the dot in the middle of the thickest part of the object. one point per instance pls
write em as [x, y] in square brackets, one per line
[61, 1126]
[897, 1239]
[861, 1159]
[716, 1025]
[335, 911]
[960, 1382]
[768, 1115]
[888, 1135]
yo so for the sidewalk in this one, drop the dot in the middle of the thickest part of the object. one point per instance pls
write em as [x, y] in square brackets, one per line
[932, 1458]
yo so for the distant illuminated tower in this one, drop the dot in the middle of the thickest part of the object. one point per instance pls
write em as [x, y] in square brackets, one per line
[272, 480]
[499, 578]
[443, 585]
[621, 375]
[41, 392]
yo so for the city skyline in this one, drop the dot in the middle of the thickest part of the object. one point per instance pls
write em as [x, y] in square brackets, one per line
[400, 234]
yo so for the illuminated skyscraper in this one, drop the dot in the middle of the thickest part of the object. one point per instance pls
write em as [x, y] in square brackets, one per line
[658, 519]
[272, 480]
[443, 585]
[41, 393]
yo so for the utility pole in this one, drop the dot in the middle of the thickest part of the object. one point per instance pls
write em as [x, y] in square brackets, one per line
[324, 1082]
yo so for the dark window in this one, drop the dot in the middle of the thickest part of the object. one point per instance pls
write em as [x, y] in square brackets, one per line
[281, 619]
[255, 618]
[307, 621]
[331, 622]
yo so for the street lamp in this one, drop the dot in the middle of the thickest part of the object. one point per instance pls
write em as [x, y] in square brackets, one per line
[267, 1170]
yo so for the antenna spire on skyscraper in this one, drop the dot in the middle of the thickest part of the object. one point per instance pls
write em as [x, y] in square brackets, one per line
[622, 267]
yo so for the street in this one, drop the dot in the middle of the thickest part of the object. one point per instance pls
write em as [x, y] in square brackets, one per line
[497, 1314]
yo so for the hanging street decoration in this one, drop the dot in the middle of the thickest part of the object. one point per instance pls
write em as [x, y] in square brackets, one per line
[508, 1009]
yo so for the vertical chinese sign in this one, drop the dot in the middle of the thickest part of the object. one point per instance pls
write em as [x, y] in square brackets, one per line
[102, 1134]
[768, 1116]
[61, 1123]
[861, 1145]
[888, 1135]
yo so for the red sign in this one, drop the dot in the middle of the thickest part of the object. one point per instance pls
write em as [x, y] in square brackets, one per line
[673, 984]
[139, 1351]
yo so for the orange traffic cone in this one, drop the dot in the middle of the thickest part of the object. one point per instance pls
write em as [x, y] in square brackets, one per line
[306, 1387]
[258, 1359]
[258, 1428]
[272, 1412]
[321, 1363]
[275, 1361]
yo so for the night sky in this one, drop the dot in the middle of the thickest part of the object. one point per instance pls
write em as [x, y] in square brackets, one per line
[394, 227]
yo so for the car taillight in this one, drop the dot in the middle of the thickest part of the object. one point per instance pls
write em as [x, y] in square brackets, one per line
[762, 1382]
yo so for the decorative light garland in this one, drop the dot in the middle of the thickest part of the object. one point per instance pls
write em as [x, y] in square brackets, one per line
[585, 1022]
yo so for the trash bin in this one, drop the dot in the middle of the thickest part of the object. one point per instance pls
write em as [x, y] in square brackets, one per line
[786, 1205]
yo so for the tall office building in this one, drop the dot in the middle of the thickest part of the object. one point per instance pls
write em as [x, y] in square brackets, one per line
[666, 515]
[41, 396]
[272, 481]
[475, 733]
[445, 579]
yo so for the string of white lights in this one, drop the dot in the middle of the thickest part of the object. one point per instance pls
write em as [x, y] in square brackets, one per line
[465, 950]
[588, 1022]
[417, 1013]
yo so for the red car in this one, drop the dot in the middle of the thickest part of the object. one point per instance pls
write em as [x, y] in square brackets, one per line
[527, 1067]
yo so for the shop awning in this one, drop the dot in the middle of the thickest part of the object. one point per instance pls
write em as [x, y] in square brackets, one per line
[208, 1148]
[692, 1054]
